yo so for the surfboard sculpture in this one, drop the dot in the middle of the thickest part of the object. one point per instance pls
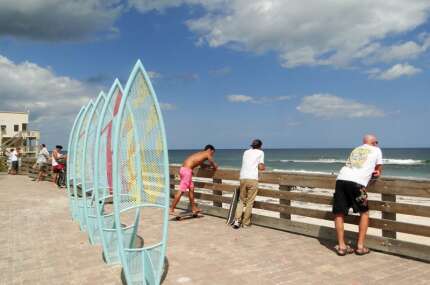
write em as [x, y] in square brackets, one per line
[88, 201]
[140, 181]
[103, 174]
[78, 154]
[70, 161]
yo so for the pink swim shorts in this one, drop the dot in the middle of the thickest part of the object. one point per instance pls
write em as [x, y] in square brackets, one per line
[186, 176]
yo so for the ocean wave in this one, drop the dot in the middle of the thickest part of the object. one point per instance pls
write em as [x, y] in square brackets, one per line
[392, 161]
[322, 160]
[404, 161]
[302, 171]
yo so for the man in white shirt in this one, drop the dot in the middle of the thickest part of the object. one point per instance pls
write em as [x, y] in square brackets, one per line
[363, 162]
[42, 162]
[252, 162]
[13, 157]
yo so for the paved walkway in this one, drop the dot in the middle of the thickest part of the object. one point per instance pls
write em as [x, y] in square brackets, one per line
[41, 245]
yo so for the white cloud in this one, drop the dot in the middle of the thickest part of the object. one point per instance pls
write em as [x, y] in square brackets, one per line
[154, 74]
[223, 71]
[336, 33]
[239, 98]
[64, 20]
[167, 106]
[282, 98]
[397, 52]
[48, 96]
[394, 72]
[330, 106]
[161, 5]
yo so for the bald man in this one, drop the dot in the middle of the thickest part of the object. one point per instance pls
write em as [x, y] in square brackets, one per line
[363, 162]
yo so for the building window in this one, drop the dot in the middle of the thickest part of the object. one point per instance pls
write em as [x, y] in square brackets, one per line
[3, 129]
[24, 127]
[16, 128]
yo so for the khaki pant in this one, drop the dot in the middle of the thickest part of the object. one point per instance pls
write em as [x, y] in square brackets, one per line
[248, 192]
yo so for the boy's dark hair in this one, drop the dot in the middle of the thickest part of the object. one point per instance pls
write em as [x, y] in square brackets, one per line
[59, 146]
[209, 146]
[43, 145]
[256, 143]
[12, 149]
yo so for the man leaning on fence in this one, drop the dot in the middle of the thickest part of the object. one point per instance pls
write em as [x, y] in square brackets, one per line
[363, 162]
[252, 162]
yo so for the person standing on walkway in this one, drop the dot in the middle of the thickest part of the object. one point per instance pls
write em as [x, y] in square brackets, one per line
[56, 166]
[186, 175]
[252, 162]
[13, 157]
[42, 162]
[364, 162]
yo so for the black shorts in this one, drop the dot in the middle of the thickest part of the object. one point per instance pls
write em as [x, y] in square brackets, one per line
[349, 194]
[15, 165]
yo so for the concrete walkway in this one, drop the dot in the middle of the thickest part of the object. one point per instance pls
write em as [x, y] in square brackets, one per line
[40, 244]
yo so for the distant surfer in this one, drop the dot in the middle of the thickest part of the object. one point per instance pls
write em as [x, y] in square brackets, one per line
[186, 175]
[363, 163]
[252, 162]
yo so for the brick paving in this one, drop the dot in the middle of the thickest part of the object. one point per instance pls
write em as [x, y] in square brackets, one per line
[40, 244]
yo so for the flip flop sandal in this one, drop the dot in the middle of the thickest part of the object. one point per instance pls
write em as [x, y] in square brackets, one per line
[343, 251]
[362, 251]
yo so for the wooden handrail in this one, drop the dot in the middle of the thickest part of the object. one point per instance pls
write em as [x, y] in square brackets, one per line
[216, 188]
[285, 188]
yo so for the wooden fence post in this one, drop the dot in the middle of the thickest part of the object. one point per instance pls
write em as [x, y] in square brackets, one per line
[388, 216]
[285, 202]
[217, 192]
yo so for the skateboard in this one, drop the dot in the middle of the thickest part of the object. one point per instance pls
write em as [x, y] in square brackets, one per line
[233, 206]
[186, 215]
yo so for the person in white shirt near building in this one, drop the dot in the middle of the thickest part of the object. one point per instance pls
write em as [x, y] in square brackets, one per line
[364, 162]
[42, 162]
[13, 157]
[252, 162]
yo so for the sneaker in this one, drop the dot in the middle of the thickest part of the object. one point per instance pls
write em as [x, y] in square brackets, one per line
[236, 225]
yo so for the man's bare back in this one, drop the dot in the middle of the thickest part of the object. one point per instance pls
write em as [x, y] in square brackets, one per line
[198, 158]
[186, 175]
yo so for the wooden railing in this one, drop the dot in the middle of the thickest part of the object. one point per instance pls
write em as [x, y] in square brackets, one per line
[285, 202]
[286, 189]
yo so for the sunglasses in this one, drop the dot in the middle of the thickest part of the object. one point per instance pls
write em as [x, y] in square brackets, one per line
[375, 143]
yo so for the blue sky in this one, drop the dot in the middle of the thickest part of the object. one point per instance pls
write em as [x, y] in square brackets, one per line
[228, 71]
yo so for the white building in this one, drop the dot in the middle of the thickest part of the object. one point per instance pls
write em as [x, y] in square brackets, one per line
[14, 132]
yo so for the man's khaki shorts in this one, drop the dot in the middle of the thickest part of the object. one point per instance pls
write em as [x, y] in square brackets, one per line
[42, 166]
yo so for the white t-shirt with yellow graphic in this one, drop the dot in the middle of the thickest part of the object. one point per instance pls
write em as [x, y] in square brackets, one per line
[361, 164]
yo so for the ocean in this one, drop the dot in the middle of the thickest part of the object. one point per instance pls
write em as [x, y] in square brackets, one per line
[398, 162]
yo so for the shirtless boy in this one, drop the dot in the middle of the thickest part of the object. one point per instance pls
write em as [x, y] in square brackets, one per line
[186, 175]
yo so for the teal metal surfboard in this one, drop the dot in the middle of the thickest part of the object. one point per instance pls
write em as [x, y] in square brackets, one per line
[140, 181]
[78, 164]
[103, 174]
[88, 167]
[70, 161]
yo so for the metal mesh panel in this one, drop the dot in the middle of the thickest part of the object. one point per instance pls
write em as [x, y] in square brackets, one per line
[70, 150]
[90, 145]
[79, 153]
[88, 171]
[141, 178]
[70, 160]
[103, 175]
[141, 148]
[104, 156]
[138, 261]
[80, 145]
